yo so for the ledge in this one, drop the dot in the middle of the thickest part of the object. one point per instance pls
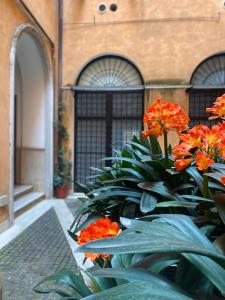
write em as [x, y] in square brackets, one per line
[3, 200]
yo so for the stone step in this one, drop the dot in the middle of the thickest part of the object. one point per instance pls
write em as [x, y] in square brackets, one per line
[26, 202]
[21, 190]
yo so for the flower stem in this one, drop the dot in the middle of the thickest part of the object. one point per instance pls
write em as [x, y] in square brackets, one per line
[166, 149]
[205, 186]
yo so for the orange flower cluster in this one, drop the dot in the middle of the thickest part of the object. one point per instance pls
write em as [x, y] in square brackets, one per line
[202, 145]
[223, 180]
[218, 108]
[162, 116]
[102, 228]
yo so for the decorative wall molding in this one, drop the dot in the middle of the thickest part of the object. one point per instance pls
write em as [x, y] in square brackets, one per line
[3, 200]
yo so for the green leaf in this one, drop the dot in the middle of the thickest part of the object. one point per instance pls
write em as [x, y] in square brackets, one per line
[208, 229]
[220, 242]
[97, 170]
[107, 188]
[213, 271]
[176, 204]
[193, 197]
[98, 284]
[72, 235]
[220, 204]
[88, 221]
[157, 262]
[124, 178]
[81, 211]
[141, 147]
[117, 262]
[213, 185]
[148, 202]
[117, 194]
[139, 290]
[84, 188]
[135, 200]
[159, 188]
[157, 240]
[135, 275]
[69, 279]
[193, 172]
[183, 187]
[217, 166]
[156, 149]
[133, 161]
[216, 176]
[133, 172]
[186, 226]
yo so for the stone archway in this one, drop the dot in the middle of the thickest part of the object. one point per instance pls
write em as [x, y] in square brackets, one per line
[31, 116]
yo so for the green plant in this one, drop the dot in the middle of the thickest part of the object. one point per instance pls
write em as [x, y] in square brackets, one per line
[62, 168]
[138, 183]
[143, 256]
[61, 130]
[62, 174]
[173, 242]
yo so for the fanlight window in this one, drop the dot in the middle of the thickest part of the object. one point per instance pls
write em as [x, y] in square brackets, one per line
[110, 71]
[208, 82]
[108, 111]
[210, 72]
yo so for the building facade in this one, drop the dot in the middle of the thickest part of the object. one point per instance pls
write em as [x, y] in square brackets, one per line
[106, 60]
[171, 50]
[28, 75]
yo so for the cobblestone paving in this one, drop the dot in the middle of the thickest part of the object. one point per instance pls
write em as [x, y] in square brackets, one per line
[39, 251]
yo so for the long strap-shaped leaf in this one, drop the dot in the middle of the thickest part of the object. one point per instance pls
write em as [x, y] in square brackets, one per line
[134, 162]
[138, 290]
[136, 275]
[153, 242]
[193, 172]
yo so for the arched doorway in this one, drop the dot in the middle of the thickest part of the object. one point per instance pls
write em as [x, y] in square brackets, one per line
[109, 104]
[208, 82]
[31, 119]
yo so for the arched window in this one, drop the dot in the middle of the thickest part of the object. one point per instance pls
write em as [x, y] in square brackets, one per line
[108, 110]
[208, 82]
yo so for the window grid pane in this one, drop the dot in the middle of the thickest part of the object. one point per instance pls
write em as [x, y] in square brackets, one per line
[199, 101]
[92, 120]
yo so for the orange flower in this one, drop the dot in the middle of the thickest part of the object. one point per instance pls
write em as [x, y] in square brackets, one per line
[193, 138]
[155, 130]
[218, 108]
[206, 144]
[162, 116]
[212, 137]
[180, 151]
[223, 180]
[203, 161]
[181, 164]
[102, 228]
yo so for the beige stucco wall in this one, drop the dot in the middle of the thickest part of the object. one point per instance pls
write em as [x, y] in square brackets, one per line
[46, 12]
[11, 17]
[166, 40]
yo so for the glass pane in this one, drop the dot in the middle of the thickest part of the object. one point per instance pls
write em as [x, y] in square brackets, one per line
[90, 146]
[199, 101]
[90, 105]
[123, 130]
[128, 105]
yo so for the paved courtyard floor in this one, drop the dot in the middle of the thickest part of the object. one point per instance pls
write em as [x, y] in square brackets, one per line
[37, 246]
